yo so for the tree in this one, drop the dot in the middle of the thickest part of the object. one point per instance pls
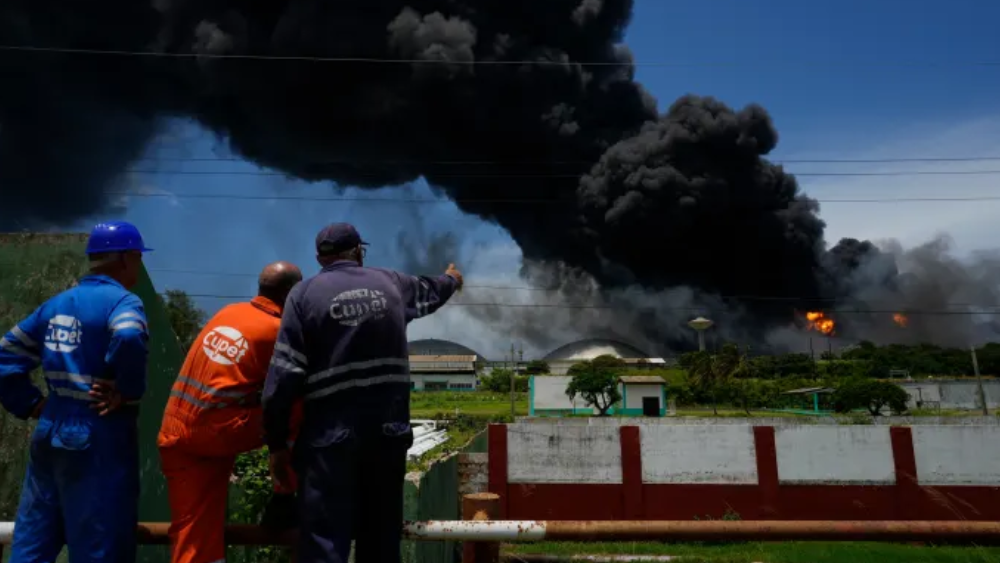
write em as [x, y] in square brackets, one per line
[713, 372]
[537, 367]
[596, 381]
[869, 394]
[498, 381]
[185, 317]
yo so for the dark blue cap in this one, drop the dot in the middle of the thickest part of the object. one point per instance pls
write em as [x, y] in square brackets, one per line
[336, 238]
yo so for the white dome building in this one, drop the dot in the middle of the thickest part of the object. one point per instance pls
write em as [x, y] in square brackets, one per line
[562, 358]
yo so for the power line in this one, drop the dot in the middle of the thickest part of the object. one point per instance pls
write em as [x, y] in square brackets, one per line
[993, 310]
[480, 62]
[526, 201]
[488, 162]
[550, 289]
[541, 176]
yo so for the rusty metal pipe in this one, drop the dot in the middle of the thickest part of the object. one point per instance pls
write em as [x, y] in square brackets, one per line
[773, 531]
[556, 530]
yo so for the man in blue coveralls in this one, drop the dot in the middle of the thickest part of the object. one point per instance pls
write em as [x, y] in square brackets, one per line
[342, 347]
[82, 483]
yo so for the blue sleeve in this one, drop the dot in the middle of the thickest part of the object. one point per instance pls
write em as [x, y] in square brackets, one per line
[424, 295]
[129, 349]
[286, 376]
[20, 354]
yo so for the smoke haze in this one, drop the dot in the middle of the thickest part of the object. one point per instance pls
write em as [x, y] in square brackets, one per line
[653, 216]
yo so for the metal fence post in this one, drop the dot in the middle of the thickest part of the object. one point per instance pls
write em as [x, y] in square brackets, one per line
[481, 506]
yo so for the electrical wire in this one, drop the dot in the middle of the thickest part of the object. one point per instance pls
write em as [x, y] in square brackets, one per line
[525, 201]
[480, 62]
[488, 162]
[549, 289]
[554, 176]
[939, 312]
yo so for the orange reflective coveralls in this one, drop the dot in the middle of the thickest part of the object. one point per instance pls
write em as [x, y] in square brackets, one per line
[212, 415]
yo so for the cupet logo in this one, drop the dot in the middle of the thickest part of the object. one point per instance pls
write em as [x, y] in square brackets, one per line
[224, 345]
[64, 333]
[357, 306]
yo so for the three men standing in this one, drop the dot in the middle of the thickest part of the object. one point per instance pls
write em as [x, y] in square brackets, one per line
[339, 353]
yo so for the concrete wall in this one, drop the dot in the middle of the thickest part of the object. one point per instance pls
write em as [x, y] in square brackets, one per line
[547, 395]
[952, 394]
[652, 469]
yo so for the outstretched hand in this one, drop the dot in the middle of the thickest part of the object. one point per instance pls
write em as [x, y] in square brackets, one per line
[106, 396]
[453, 272]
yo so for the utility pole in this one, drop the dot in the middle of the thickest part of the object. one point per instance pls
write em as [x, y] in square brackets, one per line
[512, 372]
[979, 381]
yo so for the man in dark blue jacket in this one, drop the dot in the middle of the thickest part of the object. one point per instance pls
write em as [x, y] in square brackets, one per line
[342, 347]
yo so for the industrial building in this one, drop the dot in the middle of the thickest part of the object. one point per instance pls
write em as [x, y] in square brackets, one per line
[438, 365]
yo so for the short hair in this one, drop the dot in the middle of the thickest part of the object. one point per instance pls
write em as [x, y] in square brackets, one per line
[278, 285]
[103, 259]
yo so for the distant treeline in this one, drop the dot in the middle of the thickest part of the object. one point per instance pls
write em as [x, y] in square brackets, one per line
[868, 360]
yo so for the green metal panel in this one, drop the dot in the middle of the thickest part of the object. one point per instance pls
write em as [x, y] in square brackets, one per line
[165, 360]
[438, 501]
[531, 396]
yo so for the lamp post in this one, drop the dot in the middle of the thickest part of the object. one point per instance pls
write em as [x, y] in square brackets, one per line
[700, 325]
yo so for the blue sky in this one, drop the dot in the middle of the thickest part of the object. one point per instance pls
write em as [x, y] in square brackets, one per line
[844, 79]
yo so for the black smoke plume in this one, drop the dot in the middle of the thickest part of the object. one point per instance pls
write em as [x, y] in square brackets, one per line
[630, 198]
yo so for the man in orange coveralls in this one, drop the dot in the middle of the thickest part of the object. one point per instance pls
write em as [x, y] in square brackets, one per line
[214, 413]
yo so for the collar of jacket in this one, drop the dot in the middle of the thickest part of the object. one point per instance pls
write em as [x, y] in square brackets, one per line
[339, 264]
[100, 278]
[266, 305]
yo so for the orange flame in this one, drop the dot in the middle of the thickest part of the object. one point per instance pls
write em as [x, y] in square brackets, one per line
[820, 322]
[900, 319]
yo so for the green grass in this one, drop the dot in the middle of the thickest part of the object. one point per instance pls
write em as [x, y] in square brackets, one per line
[787, 552]
[432, 404]
[702, 411]
[435, 404]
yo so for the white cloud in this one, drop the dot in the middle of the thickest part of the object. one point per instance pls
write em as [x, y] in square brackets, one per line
[144, 191]
[971, 224]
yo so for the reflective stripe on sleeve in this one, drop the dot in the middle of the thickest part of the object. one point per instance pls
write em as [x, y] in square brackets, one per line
[291, 352]
[26, 340]
[129, 324]
[367, 364]
[286, 365]
[353, 383]
[16, 349]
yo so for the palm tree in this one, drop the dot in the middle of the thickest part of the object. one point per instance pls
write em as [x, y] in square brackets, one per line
[713, 371]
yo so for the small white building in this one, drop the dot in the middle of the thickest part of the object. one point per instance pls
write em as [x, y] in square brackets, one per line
[642, 395]
[443, 373]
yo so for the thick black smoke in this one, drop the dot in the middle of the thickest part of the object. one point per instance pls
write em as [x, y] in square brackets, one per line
[631, 198]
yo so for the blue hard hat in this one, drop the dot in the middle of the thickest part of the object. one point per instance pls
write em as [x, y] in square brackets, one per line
[115, 236]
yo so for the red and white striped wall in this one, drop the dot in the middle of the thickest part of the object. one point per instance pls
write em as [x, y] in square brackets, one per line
[559, 471]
